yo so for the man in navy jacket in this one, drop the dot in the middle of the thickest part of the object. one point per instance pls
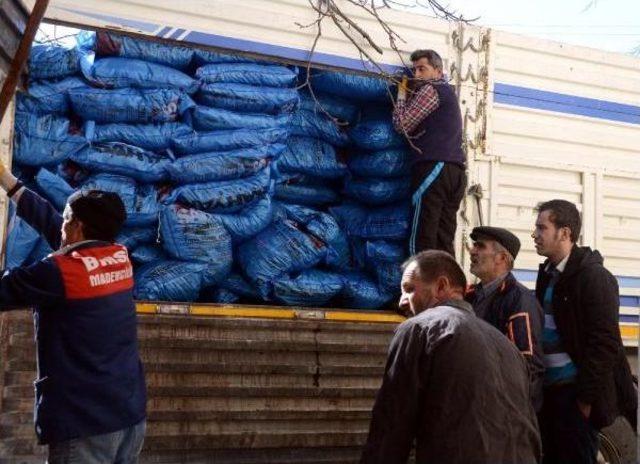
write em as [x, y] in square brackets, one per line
[90, 394]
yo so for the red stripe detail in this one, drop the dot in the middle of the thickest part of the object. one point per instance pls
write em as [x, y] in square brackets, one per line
[95, 272]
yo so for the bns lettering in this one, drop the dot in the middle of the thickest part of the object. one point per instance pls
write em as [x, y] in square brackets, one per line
[92, 263]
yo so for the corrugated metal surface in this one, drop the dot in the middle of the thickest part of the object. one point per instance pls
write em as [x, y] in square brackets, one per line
[229, 390]
[13, 20]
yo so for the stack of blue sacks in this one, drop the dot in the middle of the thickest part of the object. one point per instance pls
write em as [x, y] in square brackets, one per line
[239, 187]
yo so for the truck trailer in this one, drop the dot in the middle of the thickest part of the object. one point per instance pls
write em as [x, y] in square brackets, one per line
[276, 384]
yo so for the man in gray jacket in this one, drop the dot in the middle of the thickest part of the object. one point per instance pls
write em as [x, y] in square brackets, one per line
[453, 384]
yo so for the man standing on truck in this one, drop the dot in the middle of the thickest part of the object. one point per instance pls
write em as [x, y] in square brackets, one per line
[587, 382]
[505, 303]
[90, 398]
[452, 383]
[430, 118]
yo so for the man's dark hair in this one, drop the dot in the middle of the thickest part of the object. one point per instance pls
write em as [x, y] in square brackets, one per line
[563, 213]
[435, 263]
[431, 55]
[102, 213]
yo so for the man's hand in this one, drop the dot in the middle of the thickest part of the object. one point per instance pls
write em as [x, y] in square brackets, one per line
[402, 89]
[7, 180]
[585, 409]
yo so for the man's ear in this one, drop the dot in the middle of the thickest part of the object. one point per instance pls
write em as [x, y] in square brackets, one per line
[442, 285]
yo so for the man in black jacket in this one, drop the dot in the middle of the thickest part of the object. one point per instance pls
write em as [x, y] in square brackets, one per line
[452, 383]
[587, 380]
[504, 302]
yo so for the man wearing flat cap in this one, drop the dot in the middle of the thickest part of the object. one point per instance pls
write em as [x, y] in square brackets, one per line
[90, 394]
[504, 302]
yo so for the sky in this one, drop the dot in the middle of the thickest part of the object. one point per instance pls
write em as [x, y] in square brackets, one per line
[612, 25]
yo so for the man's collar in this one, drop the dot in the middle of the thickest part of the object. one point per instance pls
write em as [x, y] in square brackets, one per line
[493, 285]
[458, 304]
[75, 246]
[560, 266]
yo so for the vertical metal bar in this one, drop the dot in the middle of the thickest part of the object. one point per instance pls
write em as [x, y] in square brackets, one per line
[22, 54]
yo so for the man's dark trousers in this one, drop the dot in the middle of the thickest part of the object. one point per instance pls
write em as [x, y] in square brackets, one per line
[567, 436]
[438, 188]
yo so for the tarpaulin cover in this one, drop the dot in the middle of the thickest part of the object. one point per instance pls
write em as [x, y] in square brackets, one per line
[248, 98]
[247, 73]
[378, 190]
[154, 137]
[129, 105]
[208, 119]
[313, 287]
[222, 196]
[225, 165]
[44, 140]
[119, 73]
[169, 281]
[394, 162]
[311, 156]
[192, 235]
[228, 140]
[123, 159]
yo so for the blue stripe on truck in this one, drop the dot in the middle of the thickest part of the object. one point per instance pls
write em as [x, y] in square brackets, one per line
[563, 103]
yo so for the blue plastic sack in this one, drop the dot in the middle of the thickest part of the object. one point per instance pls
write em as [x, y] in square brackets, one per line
[54, 188]
[366, 89]
[116, 73]
[48, 97]
[382, 251]
[129, 105]
[154, 137]
[227, 140]
[192, 235]
[53, 61]
[304, 190]
[337, 107]
[247, 73]
[248, 98]
[207, 119]
[109, 44]
[140, 202]
[384, 163]
[386, 223]
[44, 140]
[248, 222]
[280, 249]
[225, 165]
[169, 281]
[325, 228]
[362, 293]
[222, 196]
[376, 135]
[312, 287]
[147, 253]
[389, 277]
[218, 295]
[204, 57]
[311, 124]
[127, 160]
[21, 241]
[378, 191]
[132, 237]
[238, 285]
[311, 156]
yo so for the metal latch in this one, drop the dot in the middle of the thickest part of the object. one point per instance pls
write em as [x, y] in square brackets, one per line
[309, 314]
[173, 309]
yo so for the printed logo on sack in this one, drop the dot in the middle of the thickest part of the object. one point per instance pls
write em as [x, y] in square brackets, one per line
[96, 272]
